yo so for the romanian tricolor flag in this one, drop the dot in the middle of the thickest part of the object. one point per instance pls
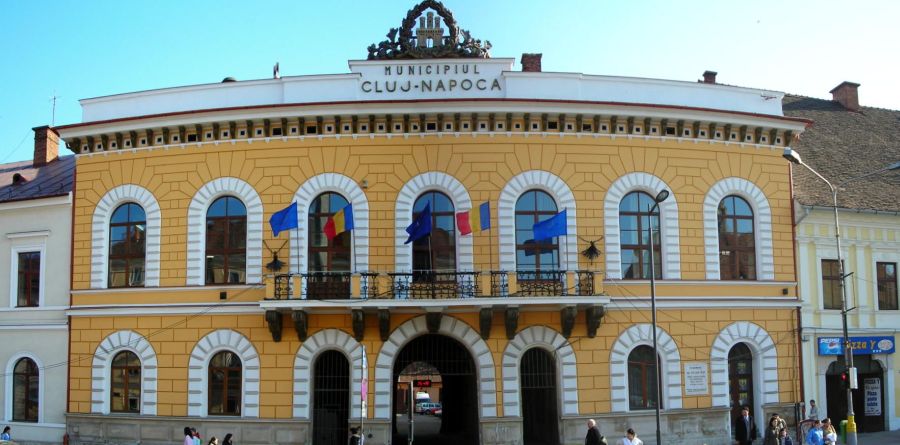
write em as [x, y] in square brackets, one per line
[340, 222]
[479, 219]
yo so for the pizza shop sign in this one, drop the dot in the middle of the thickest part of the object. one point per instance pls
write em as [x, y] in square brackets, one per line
[860, 345]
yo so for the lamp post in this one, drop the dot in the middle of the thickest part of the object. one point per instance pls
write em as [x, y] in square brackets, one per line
[794, 158]
[660, 197]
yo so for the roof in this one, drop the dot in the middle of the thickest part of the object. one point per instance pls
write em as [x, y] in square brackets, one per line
[53, 179]
[844, 144]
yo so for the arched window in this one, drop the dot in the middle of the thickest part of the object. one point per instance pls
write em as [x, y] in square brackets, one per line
[737, 245]
[437, 252]
[532, 207]
[225, 384]
[633, 222]
[125, 394]
[26, 392]
[642, 379]
[127, 246]
[539, 397]
[324, 255]
[226, 241]
[740, 378]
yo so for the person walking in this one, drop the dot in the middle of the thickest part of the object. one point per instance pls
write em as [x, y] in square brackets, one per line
[813, 410]
[227, 440]
[770, 437]
[829, 435]
[784, 439]
[593, 436]
[196, 434]
[630, 438]
[745, 431]
[814, 436]
[213, 441]
[354, 436]
[6, 433]
[188, 436]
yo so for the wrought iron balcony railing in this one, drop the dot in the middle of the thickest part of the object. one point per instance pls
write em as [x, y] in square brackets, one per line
[431, 284]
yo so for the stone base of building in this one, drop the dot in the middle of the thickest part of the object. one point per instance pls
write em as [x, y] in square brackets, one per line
[707, 426]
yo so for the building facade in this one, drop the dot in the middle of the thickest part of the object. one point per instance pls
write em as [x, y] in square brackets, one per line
[35, 245]
[849, 141]
[188, 311]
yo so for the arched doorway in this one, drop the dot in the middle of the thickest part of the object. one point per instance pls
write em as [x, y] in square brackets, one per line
[740, 379]
[869, 403]
[540, 412]
[458, 423]
[331, 399]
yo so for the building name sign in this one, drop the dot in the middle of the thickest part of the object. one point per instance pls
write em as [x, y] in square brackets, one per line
[430, 79]
[860, 345]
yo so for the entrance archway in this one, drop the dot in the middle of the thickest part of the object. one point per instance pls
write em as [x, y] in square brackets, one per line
[870, 375]
[458, 423]
[740, 379]
[540, 413]
[331, 398]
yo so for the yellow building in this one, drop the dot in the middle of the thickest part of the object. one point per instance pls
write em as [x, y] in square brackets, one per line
[181, 318]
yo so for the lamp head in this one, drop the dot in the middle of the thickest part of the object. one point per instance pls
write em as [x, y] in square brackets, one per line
[661, 196]
[792, 155]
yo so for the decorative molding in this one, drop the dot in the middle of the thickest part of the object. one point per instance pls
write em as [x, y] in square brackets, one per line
[511, 321]
[358, 317]
[670, 363]
[196, 236]
[506, 209]
[101, 370]
[301, 324]
[198, 371]
[324, 340]
[451, 327]
[669, 233]
[566, 368]
[346, 187]
[485, 320]
[100, 233]
[762, 225]
[765, 363]
[384, 324]
[413, 188]
[593, 317]
[567, 320]
[274, 322]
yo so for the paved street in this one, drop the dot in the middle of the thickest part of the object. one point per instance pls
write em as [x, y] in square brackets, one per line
[427, 431]
[881, 438]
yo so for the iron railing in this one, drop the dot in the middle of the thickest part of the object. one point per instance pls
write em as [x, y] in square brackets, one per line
[541, 283]
[428, 284]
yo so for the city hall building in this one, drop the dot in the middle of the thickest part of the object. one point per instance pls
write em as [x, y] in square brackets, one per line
[417, 179]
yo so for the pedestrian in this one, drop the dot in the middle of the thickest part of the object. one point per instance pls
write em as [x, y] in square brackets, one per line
[784, 438]
[744, 429]
[772, 432]
[829, 435]
[781, 422]
[814, 436]
[188, 436]
[227, 440]
[630, 438]
[813, 410]
[6, 433]
[593, 436]
[197, 440]
[354, 436]
[213, 441]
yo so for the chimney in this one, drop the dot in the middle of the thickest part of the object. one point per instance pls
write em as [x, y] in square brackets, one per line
[709, 76]
[46, 145]
[531, 62]
[846, 94]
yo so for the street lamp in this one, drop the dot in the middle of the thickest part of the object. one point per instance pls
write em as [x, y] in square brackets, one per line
[794, 158]
[660, 197]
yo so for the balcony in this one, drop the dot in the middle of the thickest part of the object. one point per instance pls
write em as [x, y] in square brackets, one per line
[432, 285]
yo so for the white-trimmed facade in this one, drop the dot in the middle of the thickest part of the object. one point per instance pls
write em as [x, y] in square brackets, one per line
[304, 365]
[198, 371]
[566, 369]
[670, 364]
[101, 377]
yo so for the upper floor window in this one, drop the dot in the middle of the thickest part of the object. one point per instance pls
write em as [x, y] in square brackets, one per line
[126, 383]
[533, 207]
[26, 392]
[127, 245]
[29, 279]
[737, 245]
[225, 384]
[634, 219]
[887, 285]
[226, 241]
[642, 379]
[436, 252]
[831, 285]
[324, 255]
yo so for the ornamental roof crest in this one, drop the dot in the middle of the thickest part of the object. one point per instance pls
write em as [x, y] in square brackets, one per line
[428, 41]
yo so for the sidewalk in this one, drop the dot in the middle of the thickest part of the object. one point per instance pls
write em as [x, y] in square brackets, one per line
[880, 438]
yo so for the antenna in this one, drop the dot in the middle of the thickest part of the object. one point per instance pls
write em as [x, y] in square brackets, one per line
[53, 108]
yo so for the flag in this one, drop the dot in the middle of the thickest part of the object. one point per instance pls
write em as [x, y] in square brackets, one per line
[284, 219]
[421, 226]
[340, 222]
[555, 226]
[474, 219]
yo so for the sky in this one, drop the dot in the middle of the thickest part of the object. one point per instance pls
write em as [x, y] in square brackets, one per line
[82, 49]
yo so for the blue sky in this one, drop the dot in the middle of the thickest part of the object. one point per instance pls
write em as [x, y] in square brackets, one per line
[83, 49]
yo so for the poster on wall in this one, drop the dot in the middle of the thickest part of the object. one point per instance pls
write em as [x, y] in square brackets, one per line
[696, 376]
[872, 396]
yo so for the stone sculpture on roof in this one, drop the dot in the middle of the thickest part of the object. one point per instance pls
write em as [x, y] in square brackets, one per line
[429, 41]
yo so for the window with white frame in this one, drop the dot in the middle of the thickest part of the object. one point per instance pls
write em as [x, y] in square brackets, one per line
[27, 271]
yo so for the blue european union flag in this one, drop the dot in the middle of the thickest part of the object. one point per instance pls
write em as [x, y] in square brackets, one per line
[555, 226]
[284, 219]
[421, 226]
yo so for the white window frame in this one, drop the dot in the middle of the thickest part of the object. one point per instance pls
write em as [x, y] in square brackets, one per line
[8, 405]
[22, 243]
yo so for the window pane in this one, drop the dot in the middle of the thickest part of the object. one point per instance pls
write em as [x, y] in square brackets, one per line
[545, 203]
[235, 207]
[218, 208]
[236, 268]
